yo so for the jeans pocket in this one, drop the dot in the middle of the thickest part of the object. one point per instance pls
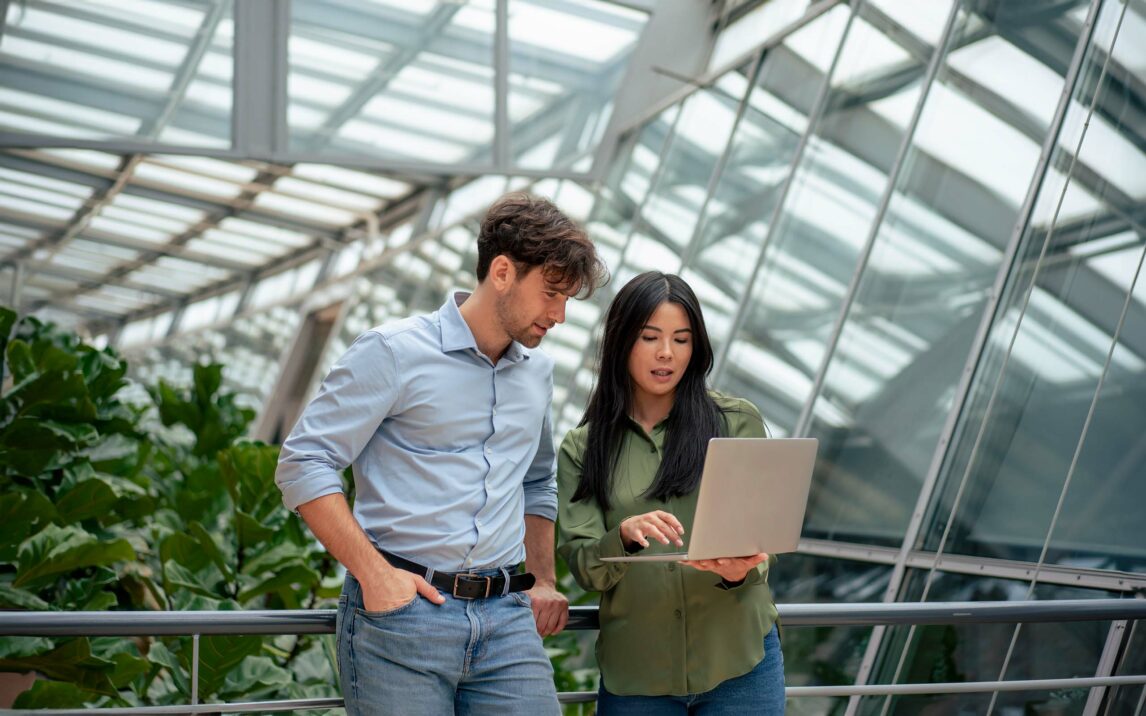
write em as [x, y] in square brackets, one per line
[408, 606]
[521, 598]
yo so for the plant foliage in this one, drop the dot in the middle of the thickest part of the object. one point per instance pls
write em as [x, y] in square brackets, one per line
[106, 505]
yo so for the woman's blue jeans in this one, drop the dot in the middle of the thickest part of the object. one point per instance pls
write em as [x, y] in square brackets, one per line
[479, 656]
[760, 691]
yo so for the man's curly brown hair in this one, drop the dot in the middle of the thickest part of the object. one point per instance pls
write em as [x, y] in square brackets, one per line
[530, 231]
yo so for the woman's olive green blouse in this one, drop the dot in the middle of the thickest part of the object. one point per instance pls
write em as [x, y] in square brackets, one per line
[665, 628]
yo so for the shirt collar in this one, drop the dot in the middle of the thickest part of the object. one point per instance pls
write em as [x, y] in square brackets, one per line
[456, 333]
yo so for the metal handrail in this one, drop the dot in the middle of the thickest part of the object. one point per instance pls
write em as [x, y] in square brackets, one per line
[321, 621]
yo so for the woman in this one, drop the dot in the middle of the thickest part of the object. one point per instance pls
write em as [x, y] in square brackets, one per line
[697, 638]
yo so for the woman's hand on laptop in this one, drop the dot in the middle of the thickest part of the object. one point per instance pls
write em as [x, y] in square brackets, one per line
[732, 569]
[658, 524]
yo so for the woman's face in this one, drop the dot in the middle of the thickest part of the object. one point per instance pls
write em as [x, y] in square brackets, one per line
[662, 352]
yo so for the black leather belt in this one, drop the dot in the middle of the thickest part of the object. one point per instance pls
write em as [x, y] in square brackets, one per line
[465, 585]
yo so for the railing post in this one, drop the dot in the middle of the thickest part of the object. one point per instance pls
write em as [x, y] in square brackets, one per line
[194, 669]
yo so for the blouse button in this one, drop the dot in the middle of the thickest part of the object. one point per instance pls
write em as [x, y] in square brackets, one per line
[677, 613]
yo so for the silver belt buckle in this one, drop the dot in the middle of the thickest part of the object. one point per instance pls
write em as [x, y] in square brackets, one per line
[488, 582]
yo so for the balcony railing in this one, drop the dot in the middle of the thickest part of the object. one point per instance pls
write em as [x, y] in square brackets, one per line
[196, 624]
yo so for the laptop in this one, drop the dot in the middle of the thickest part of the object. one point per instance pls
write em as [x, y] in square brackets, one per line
[753, 493]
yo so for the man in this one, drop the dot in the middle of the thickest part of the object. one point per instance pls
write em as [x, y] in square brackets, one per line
[445, 419]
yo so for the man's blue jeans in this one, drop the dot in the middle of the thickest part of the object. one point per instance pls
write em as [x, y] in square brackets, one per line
[480, 656]
[760, 691]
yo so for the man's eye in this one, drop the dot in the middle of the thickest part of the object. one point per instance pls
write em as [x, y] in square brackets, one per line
[551, 294]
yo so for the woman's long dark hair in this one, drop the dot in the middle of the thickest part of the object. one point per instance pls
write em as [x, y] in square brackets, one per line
[694, 418]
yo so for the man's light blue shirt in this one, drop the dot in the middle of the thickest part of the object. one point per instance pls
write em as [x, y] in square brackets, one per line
[449, 450]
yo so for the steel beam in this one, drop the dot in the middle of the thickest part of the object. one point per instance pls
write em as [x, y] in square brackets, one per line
[259, 122]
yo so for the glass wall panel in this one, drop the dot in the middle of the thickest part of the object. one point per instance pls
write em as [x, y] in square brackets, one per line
[737, 215]
[98, 70]
[670, 212]
[822, 656]
[893, 375]
[1046, 356]
[1128, 700]
[562, 83]
[976, 652]
[610, 225]
[809, 256]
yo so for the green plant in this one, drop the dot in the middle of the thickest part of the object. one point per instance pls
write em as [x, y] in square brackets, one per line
[105, 505]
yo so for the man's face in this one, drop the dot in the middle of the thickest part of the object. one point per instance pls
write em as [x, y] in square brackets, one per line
[530, 307]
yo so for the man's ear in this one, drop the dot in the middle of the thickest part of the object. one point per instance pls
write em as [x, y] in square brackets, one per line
[502, 272]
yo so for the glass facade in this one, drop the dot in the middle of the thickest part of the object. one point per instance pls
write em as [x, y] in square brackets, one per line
[917, 230]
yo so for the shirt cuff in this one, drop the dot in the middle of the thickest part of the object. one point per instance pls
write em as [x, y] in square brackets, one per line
[611, 544]
[754, 576]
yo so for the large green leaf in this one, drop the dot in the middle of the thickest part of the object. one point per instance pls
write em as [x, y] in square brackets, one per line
[30, 445]
[15, 598]
[21, 364]
[276, 558]
[127, 668]
[162, 655]
[22, 512]
[208, 378]
[248, 469]
[185, 550]
[254, 674]
[218, 655]
[211, 549]
[39, 433]
[25, 646]
[103, 372]
[251, 531]
[297, 577]
[55, 550]
[177, 578]
[53, 695]
[73, 662]
[173, 409]
[88, 499]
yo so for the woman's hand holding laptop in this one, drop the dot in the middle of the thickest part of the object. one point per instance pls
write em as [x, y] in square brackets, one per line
[730, 569]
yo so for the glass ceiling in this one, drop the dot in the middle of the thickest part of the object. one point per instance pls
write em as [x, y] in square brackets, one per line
[123, 193]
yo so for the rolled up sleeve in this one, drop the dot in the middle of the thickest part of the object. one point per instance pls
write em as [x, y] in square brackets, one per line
[336, 426]
[540, 481]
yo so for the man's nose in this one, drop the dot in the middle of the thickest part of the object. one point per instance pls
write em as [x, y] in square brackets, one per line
[557, 314]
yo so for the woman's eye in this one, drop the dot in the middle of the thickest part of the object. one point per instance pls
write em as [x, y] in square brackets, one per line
[682, 341]
[648, 339]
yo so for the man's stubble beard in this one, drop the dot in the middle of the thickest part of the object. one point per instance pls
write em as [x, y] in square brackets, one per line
[511, 322]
